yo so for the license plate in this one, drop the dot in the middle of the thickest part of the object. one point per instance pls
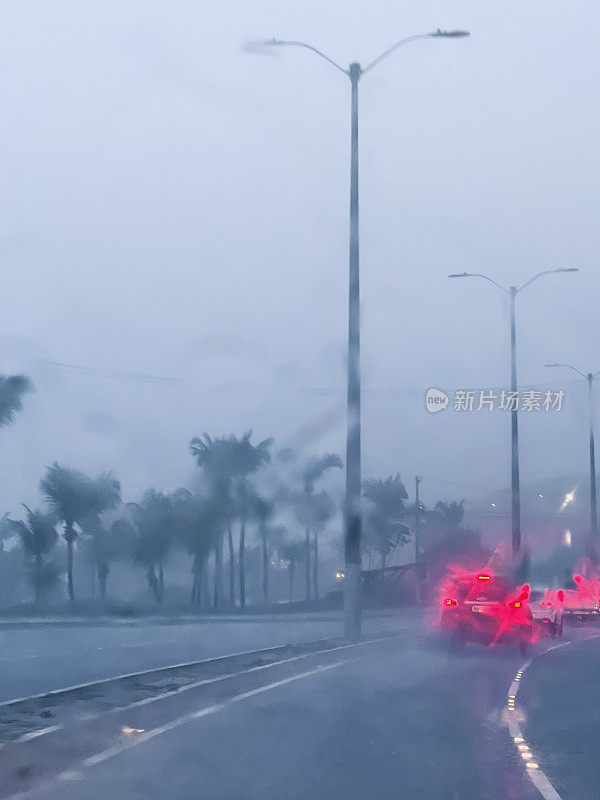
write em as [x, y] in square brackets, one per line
[482, 609]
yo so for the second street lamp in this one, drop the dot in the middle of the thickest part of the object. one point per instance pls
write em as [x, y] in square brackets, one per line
[512, 292]
[352, 511]
[593, 505]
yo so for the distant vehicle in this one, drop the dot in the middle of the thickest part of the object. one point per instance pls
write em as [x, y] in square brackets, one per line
[486, 608]
[547, 610]
[583, 602]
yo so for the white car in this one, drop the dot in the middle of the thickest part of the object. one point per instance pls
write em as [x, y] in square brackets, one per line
[547, 610]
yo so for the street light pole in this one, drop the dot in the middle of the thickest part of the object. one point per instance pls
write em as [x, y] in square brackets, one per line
[514, 433]
[593, 501]
[512, 292]
[352, 509]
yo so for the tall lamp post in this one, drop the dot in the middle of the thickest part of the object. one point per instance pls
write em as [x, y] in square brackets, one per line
[352, 513]
[512, 292]
[589, 376]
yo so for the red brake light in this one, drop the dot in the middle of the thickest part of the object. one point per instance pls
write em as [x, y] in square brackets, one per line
[515, 604]
[450, 602]
[560, 595]
[484, 577]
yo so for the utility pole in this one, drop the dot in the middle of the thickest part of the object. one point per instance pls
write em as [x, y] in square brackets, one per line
[590, 376]
[417, 520]
[593, 503]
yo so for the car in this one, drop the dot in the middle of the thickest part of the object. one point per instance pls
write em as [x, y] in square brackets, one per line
[486, 608]
[547, 610]
[583, 602]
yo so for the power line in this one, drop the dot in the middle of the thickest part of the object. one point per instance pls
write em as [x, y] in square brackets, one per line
[111, 373]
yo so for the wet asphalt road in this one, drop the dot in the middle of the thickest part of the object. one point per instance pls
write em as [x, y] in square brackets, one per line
[561, 702]
[44, 657]
[404, 718]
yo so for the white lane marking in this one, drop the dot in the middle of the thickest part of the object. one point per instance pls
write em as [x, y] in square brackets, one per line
[180, 689]
[532, 769]
[27, 737]
[102, 681]
[111, 752]
[543, 785]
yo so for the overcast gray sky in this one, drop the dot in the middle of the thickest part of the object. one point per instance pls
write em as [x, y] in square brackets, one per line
[174, 206]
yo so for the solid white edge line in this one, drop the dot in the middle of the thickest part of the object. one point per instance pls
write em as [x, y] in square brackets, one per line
[102, 681]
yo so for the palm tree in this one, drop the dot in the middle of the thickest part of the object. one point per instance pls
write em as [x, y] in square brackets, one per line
[263, 511]
[154, 520]
[214, 457]
[72, 496]
[323, 510]
[450, 514]
[108, 541]
[12, 390]
[228, 462]
[313, 470]
[199, 525]
[38, 537]
[292, 552]
[383, 527]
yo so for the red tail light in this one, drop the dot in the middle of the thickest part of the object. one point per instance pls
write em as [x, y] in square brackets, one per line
[515, 604]
[449, 601]
[484, 577]
[560, 596]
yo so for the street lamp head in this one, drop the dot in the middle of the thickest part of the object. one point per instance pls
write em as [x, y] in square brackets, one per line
[454, 34]
[460, 275]
[553, 365]
[258, 45]
[568, 269]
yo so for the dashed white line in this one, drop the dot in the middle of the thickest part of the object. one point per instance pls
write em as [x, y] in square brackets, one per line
[141, 673]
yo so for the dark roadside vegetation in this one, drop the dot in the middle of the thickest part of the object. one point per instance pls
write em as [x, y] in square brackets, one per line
[257, 530]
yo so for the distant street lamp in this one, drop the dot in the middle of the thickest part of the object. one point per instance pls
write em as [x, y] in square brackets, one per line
[512, 292]
[593, 505]
[352, 518]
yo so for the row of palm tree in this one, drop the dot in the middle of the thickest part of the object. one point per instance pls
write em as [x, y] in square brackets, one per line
[237, 491]
[232, 496]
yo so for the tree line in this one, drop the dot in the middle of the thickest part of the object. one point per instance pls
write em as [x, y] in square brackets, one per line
[245, 490]
[93, 517]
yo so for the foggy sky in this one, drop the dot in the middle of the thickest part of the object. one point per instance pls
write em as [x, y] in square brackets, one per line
[176, 207]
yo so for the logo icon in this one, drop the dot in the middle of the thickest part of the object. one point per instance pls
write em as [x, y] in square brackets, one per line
[436, 400]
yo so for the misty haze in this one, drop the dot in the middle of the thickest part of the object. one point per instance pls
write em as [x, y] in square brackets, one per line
[298, 394]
